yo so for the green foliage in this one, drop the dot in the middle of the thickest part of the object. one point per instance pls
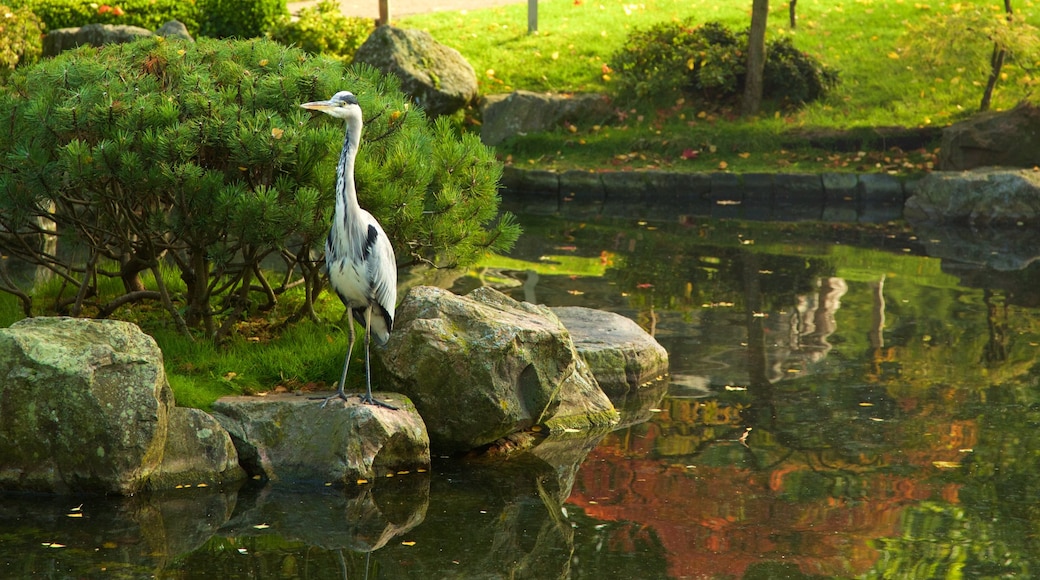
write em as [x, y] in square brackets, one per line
[20, 40]
[240, 18]
[149, 14]
[197, 155]
[323, 29]
[709, 61]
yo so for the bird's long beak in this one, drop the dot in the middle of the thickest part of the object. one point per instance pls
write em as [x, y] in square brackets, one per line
[318, 105]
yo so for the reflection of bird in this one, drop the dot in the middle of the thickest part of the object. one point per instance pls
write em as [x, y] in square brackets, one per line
[360, 260]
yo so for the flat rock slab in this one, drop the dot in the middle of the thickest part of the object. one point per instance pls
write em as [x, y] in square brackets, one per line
[622, 356]
[290, 438]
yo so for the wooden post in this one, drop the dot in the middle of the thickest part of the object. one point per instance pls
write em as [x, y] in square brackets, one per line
[384, 12]
[532, 16]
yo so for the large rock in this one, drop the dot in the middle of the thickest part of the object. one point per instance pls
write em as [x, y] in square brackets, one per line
[996, 138]
[291, 439]
[83, 406]
[438, 77]
[57, 41]
[623, 357]
[980, 197]
[521, 112]
[198, 451]
[483, 366]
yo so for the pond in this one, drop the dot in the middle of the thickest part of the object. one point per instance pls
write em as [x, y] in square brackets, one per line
[849, 402]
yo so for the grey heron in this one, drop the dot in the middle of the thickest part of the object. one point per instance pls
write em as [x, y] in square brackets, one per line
[359, 257]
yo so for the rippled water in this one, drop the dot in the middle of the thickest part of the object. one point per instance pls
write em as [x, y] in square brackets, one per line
[840, 404]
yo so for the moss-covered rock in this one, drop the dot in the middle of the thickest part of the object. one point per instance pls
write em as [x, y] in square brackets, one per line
[483, 366]
[83, 406]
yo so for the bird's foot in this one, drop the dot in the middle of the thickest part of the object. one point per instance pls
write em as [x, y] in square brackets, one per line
[369, 399]
[325, 400]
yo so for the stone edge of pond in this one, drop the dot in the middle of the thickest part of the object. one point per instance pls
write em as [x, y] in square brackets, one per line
[663, 195]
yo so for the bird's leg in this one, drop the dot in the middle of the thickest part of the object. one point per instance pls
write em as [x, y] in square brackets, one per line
[340, 394]
[367, 397]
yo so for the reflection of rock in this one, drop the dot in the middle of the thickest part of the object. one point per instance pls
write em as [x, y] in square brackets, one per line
[483, 366]
[289, 438]
[361, 519]
[1004, 249]
[147, 531]
[83, 406]
[516, 522]
[622, 356]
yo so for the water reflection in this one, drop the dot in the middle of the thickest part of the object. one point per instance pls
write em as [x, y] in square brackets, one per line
[842, 403]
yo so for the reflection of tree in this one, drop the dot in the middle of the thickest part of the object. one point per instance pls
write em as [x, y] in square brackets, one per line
[996, 348]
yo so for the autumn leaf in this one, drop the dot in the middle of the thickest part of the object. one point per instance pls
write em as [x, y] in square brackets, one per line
[689, 154]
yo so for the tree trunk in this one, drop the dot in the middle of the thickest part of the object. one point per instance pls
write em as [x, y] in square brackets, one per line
[756, 59]
[790, 12]
[996, 63]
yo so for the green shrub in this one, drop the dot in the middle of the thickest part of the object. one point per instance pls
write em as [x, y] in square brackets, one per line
[709, 61]
[792, 76]
[240, 18]
[197, 156]
[149, 14]
[20, 38]
[323, 29]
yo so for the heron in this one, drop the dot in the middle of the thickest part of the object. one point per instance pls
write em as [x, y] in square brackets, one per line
[359, 258]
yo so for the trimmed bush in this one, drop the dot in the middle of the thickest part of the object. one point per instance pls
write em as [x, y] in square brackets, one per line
[20, 41]
[149, 14]
[240, 18]
[709, 61]
[196, 157]
[323, 29]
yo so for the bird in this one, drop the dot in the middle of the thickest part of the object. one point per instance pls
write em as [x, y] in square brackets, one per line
[359, 257]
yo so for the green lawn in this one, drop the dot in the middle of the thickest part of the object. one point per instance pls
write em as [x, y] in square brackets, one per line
[885, 81]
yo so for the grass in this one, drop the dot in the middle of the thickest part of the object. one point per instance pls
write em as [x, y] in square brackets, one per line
[886, 80]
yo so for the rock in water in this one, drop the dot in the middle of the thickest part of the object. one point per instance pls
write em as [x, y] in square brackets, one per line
[292, 439]
[83, 406]
[483, 366]
[622, 356]
[198, 451]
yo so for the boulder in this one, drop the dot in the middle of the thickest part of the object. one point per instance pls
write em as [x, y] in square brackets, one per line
[197, 451]
[521, 112]
[83, 406]
[979, 197]
[174, 29]
[996, 138]
[623, 357]
[484, 366]
[57, 41]
[438, 77]
[291, 439]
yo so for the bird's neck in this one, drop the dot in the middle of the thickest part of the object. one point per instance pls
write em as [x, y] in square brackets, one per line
[346, 191]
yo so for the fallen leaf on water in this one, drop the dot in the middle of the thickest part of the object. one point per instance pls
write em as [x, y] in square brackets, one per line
[261, 526]
[409, 543]
[946, 464]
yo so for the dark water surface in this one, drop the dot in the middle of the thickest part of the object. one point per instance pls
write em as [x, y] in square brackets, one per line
[841, 403]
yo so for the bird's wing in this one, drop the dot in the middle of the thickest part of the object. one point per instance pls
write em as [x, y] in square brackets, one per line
[382, 271]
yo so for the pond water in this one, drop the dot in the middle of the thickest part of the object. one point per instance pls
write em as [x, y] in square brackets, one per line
[841, 403]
